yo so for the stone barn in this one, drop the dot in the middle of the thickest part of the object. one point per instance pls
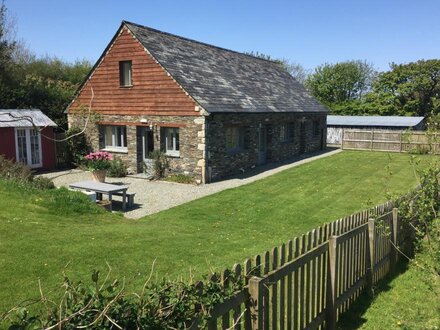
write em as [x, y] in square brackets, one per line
[214, 112]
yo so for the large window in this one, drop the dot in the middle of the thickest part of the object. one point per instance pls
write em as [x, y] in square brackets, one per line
[28, 146]
[171, 142]
[234, 139]
[287, 132]
[115, 138]
[125, 76]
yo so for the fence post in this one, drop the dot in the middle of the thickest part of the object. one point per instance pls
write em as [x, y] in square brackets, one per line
[400, 139]
[343, 136]
[370, 256]
[331, 284]
[394, 239]
[257, 307]
[372, 139]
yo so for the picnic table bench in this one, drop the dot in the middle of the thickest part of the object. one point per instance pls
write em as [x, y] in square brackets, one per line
[106, 188]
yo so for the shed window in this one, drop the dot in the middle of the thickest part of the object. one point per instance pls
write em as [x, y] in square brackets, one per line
[171, 139]
[234, 139]
[125, 76]
[115, 138]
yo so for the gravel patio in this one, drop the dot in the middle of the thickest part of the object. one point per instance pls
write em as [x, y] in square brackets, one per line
[156, 196]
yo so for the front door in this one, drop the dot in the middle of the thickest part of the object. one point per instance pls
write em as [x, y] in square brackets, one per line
[147, 145]
[28, 147]
[147, 142]
[262, 145]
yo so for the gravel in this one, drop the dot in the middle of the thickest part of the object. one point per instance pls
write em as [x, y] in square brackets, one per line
[155, 196]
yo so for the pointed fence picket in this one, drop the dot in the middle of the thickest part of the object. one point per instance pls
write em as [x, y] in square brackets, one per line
[308, 282]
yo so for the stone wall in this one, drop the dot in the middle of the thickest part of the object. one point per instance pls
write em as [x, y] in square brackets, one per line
[191, 131]
[221, 163]
[203, 153]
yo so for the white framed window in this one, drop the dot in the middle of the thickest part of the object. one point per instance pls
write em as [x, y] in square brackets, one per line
[115, 138]
[171, 136]
[125, 74]
[234, 139]
[28, 146]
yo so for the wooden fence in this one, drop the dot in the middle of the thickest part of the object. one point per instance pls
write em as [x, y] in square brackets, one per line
[61, 156]
[394, 141]
[308, 282]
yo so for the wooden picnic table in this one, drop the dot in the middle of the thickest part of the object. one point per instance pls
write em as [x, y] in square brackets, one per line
[102, 188]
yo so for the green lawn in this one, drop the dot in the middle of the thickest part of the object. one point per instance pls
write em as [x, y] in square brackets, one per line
[40, 233]
[409, 301]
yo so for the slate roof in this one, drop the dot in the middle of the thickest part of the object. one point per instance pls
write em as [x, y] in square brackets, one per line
[222, 80]
[24, 118]
[384, 121]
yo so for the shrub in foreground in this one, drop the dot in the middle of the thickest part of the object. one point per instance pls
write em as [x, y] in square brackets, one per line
[106, 305]
[22, 174]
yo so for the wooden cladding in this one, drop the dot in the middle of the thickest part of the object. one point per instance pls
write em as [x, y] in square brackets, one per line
[153, 91]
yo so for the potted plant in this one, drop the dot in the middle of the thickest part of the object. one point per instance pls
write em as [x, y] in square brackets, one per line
[98, 163]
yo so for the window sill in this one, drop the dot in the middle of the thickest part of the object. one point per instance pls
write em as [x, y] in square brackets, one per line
[172, 155]
[234, 151]
[116, 150]
[126, 86]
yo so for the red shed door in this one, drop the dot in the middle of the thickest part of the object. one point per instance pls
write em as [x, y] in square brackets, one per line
[28, 143]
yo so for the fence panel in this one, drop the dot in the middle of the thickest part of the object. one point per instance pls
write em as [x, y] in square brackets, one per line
[310, 281]
[393, 141]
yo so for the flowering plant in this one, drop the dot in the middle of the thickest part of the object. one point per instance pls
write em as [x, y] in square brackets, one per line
[99, 160]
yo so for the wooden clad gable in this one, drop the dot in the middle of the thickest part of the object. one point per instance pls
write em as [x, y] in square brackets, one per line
[154, 91]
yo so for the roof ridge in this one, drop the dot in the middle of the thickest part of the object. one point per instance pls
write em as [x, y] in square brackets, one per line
[199, 42]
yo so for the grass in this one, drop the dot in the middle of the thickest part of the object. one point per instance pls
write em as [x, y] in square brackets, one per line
[409, 301]
[44, 234]
[180, 178]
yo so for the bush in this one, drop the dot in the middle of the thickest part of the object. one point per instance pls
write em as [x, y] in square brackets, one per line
[22, 174]
[15, 171]
[42, 183]
[107, 305]
[77, 146]
[117, 169]
[160, 163]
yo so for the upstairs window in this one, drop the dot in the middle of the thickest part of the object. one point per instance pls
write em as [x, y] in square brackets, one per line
[234, 139]
[115, 138]
[125, 76]
[171, 136]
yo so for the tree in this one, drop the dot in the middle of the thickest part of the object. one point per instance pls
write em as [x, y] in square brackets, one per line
[6, 50]
[411, 89]
[341, 83]
[28, 81]
[49, 84]
[295, 69]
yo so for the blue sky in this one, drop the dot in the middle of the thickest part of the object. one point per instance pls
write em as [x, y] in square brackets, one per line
[307, 32]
